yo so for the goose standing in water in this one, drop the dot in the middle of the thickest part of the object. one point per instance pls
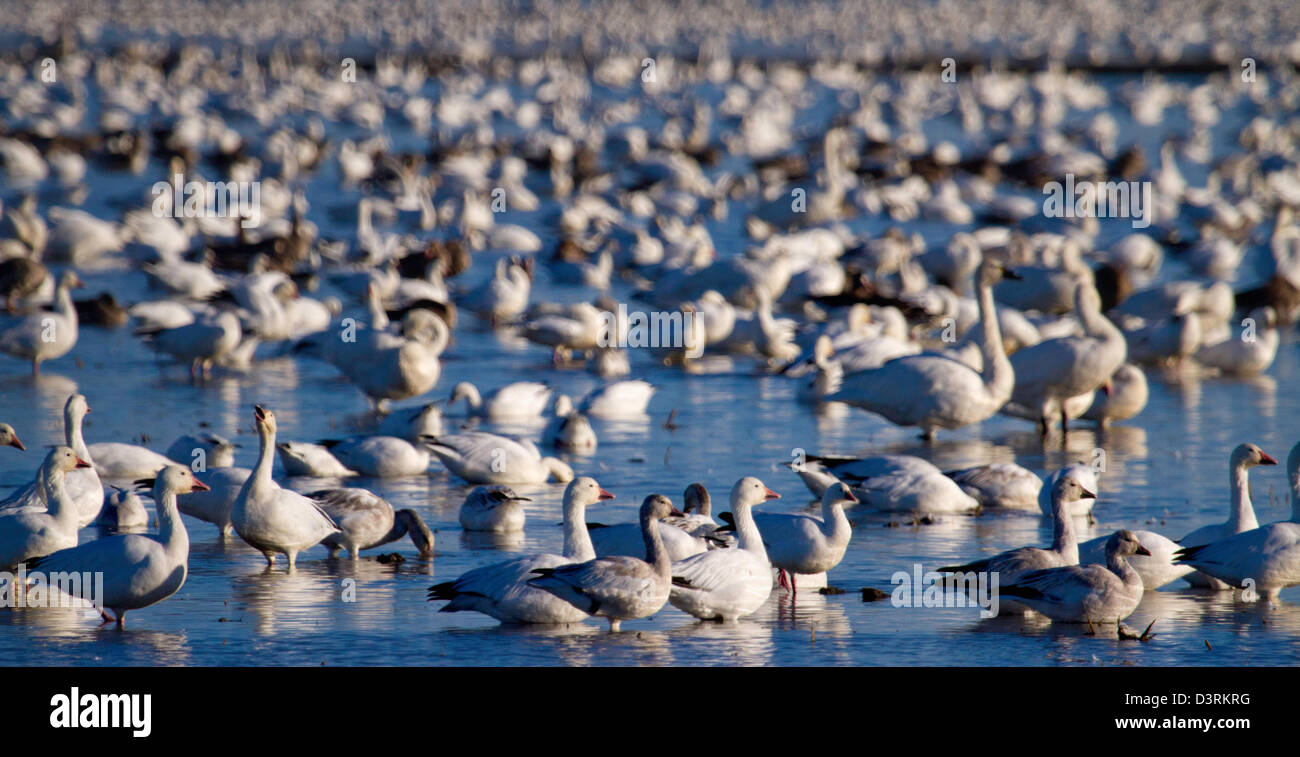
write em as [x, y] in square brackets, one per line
[1085, 593]
[45, 335]
[366, 520]
[934, 392]
[728, 584]
[272, 519]
[214, 504]
[1054, 370]
[496, 509]
[806, 544]
[504, 591]
[1241, 512]
[138, 569]
[83, 485]
[1269, 556]
[27, 533]
[619, 588]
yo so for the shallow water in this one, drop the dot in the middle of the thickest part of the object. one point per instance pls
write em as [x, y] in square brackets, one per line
[1166, 471]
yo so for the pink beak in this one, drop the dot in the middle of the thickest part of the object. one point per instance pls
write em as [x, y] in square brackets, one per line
[604, 495]
[769, 494]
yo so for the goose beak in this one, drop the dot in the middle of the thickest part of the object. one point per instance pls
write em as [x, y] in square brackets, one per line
[1141, 550]
[1106, 388]
[604, 495]
[17, 443]
[769, 494]
[199, 486]
[1264, 459]
[1087, 495]
[849, 496]
[82, 463]
[259, 413]
[676, 513]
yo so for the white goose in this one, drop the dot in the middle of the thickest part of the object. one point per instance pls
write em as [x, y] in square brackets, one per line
[522, 399]
[1241, 512]
[313, 460]
[83, 485]
[123, 512]
[45, 335]
[272, 519]
[1054, 370]
[495, 509]
[618, 400]
[139, 569]
[1236, 354]
[619, 588]
[9, 437]
[903, 483]
[1270, 556]
[1085, 593]
[626, 539]
[1004, 485]
[215, 451]
[569, 429]
[201, 343]
[366, 520]
[1157, 569]
[412, 423]
[1120, 398]
[934, 392]
[504, 296]
[119, 460]
[728, 584]
[483, 458]
[1079, 508]
[806, 544]
[26, 534]
[503, 590]
[380, 456]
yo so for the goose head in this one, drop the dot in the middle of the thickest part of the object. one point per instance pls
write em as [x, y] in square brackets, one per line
[177, 479]
[468, 392]
[1070, 489]
[749, 491]
[991, 271]
[838, 493]
[1249, 455]
[1125, 543]
[264, 421]
[584, 491]
[63, 460]
[75, 408]
[9, 437]
[657, 506]
[697, 500]
[417, 529]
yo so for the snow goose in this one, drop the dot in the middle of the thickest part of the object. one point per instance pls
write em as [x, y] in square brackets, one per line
[118, 460]
[45, 335]
[1004, 485]
[215, 451]
[483, 458]
[1085, 593]
[1250, 352]
[9, 437]
[503, 297]
[27, 533]
[619, 400]
[828, 374]
[1241, 512]
[935, 392]
[626, 539]
[619, 588]
[1269, 556]
[903, 483]
[575, 328]
[123, 512]
[495, 509]
[79, 237]
[200, 343]
[272, 519]
[1064, 550]
[214, 504]
[522, 399]
[698, 519]
[728, 584]
[138, 569]
[1079, 508]
[380, 456]
[1156, 570]
[193, 280]
[366, 520]
[503, 590]
[313, 460]
[1122, 397]
[83, 485]
[569, 429]
[806, 544]
[1054, 370]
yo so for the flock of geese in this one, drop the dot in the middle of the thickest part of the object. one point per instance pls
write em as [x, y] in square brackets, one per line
[1054, 321]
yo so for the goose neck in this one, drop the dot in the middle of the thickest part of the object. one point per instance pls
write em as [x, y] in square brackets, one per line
[1242, 516]
[577, 541]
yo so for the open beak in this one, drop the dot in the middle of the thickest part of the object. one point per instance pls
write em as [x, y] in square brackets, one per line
[199, 486]
[850, 496]
[521, 499]
[769, 494]
[604, 495]
[1087, 495]
[82, 463]
[1141, 550]
[1264, 459]
[259, 413]
[17, 443]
